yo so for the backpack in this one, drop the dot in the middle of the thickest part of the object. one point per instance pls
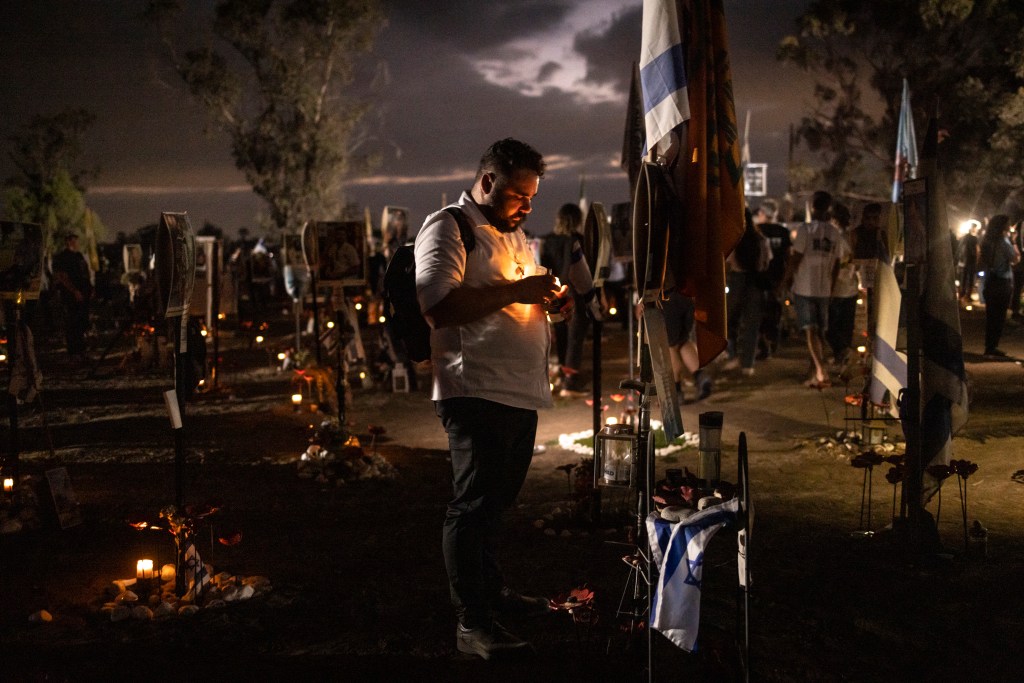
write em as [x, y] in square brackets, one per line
[405, 323]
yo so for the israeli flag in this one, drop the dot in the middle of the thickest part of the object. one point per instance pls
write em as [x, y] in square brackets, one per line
[678, 550]
[662, 71]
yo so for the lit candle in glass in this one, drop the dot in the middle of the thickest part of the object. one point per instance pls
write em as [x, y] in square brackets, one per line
[296, 400]
[8, 485]
[144, 569]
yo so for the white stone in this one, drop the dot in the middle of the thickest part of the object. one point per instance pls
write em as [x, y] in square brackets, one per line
[223, 577]
[246, 592]
[257, 582]
[120, 613]
[40, 617]
[167, 572]
[213, 604]
[126, 597]
[188, 610]
[229, 594]
[549, 532]
[565, 533]
[538, 523]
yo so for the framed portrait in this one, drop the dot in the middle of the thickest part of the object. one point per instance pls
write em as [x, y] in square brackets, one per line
[132, 255]
[175, 263]
[755, 180]
[341, 252]
[21, 259]
[207, 279]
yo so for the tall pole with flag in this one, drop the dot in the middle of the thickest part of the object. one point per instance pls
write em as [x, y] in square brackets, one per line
[693, 136]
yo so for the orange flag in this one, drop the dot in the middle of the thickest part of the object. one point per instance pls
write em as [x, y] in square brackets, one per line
[708, 175]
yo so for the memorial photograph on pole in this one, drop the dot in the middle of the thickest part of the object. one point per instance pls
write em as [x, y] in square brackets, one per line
[341, 249]
[175, 263]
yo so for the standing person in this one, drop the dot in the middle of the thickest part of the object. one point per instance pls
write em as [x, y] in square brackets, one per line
[818, 249]
[868, 242]
[556, 254]
[842, 307]
[746, 281]
[967, 260]
[74, 285]
[780, 241]
[1017, 238]
[998, 257]
[489, 351]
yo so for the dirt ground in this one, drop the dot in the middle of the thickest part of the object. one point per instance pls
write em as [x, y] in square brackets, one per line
[358, 587]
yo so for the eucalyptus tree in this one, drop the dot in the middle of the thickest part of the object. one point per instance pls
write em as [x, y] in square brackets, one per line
[276, 76]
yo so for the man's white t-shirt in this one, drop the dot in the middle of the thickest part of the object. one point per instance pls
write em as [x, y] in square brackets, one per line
[502, 357]
[822, 245]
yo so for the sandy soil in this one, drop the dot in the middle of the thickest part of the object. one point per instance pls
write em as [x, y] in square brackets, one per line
[358, 588]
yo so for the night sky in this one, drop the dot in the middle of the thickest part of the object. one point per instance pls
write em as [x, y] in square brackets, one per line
[457, 76]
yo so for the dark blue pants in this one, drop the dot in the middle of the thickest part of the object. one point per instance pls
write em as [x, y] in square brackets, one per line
[491, 447]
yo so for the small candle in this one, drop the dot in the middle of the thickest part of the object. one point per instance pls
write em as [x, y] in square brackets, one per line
[8, 485]
[144, 569]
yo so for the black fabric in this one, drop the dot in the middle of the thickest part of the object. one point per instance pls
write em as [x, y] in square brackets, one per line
[407, 326]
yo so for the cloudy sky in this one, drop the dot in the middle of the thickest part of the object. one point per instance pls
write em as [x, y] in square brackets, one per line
[459, 74]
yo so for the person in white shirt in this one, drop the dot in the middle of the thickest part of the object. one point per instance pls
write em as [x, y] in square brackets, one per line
[818, 250]
[489, 351]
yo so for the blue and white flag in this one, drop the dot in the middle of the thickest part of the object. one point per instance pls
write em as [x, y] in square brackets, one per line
[889, 363]
[944, 402]
[196, 575]
[906, 146]
[678, 550]
[662, 71]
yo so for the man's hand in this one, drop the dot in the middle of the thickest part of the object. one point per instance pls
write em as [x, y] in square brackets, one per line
[538, 289]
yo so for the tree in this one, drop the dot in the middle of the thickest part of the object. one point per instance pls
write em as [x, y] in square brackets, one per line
[962, 58]
[49, 188]
[279, 92]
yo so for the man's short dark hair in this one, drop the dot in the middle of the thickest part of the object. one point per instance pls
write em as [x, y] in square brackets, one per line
[821, 201]
[872, 209]
[507, 156]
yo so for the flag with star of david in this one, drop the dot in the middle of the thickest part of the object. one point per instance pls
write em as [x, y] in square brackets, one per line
[678, 551]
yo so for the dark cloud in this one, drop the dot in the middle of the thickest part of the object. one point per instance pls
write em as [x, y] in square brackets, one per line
[474, 26]
[611, 52]
[547, 70]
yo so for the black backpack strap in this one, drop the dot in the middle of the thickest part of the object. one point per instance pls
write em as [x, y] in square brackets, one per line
[465, 229]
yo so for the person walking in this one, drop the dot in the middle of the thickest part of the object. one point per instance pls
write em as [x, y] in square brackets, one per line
[780, 241]
[998, 257]
[818, 250]
[746, 281]
[489, 352]
[842, 307]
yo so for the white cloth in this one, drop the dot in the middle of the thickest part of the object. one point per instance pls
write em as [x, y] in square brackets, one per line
[662, 71]
[503, 356]
[822, 245]
[678, 551]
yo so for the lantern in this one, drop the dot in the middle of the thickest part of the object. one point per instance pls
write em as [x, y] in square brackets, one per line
[615, 447]
[872, 432]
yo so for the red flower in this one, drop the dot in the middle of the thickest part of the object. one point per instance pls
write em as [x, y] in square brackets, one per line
[618, 398]
[963, 468]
